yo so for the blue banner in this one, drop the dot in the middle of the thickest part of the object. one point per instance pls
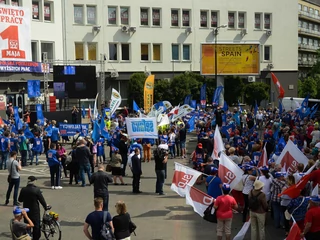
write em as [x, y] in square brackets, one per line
[191, 123]
[280, 107]
[34, 88]
[103, 130]
[71, 129]
[135, 106]
[216, 96]
[193, 104]
[225, 107]
[17, 66]
[256, 108]
[40, 114]
[17, 119]
[203, 95]
[96, 132]
[187, 99]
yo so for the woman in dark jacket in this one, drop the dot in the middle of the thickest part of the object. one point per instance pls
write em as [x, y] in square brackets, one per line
[73, 167]
[121, 222]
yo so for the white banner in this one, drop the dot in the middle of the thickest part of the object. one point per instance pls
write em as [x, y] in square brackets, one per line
[167, 104]
[164, 120]
[229, 171]
[15, 33]
[182, 177]
[198, 200]
[115, 101]
[183, 110]
[218, 144]
[142, 127]
[243, 231]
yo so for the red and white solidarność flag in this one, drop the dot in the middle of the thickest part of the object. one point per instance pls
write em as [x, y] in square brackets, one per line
[218, 144]
[277, 83]
[198, 200]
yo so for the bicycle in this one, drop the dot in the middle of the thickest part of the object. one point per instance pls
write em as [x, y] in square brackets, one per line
[49, 225]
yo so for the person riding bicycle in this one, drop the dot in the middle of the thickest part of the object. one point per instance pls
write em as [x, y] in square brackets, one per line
[30, 196]
[19, 229]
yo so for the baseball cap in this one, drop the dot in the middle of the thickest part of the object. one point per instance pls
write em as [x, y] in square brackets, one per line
[248, 167]
[32, 179]
[18, 210]
[315, 199]
[213, 170]
[271, 161]
[264, 168]
[226, 187]
[280, 174]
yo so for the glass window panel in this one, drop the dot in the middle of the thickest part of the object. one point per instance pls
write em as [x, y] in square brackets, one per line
[79, 51]
[124, 15]
[125, 51]
[156, 52]
[113, 52]
[112, 15]
[144, 52]
[175, 52]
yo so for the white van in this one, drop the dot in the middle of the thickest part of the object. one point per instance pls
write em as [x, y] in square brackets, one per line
[292, 103]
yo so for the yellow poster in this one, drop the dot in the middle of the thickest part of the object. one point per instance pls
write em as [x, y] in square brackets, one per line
[148, 93]
[232, 59]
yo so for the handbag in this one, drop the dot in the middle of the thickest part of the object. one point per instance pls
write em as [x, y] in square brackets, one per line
[132, 226]
[289, 215]
[9, 176]
[108, 168]
[208, 215]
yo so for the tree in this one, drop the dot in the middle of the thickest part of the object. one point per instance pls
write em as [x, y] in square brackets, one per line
[135, 88]
[162, 90]
[257, 91]
[309, 86]
[233, 89]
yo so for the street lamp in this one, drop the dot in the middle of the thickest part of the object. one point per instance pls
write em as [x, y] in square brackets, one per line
[216, 32]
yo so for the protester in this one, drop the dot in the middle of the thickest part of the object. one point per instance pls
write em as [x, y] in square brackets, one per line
[73, 167]
[312, 224]
[136, 171]
[115, 163]
[62, 153]
[121, 222]
[54, 162]
[214, 183]
[285, 200]
[277, 185]
[83, 158]
[37, 147]
[247, 180]
[161, 158]
[14, 166]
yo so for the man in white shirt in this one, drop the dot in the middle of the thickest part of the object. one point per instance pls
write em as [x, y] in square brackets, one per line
[299, 173]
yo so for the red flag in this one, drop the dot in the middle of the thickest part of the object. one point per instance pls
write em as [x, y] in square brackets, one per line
[294, 233]
[263, 159]
[277, 83]
[198, 199]
[294, 190]
[1, 121]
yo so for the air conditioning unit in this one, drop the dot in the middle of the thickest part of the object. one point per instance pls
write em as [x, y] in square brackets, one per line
[268, 32]
[114, 74]
[244, 31]
[189, 30]
[124, 28]
[251, 79]
[96, 28]
[132, 29]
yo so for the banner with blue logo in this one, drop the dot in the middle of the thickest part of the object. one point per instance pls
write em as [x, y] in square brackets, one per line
[193, 104]
[33, 88]
[40, 114]
[71, 129]
[187, 99]
[17, 119]
[203, 96]
[216, 96]
[17, 66]
[142, 127]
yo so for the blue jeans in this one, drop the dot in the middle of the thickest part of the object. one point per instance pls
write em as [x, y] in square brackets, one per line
[277, 214]
[160, 180]
[82, 169]
[15, 182]
[35, 154]
[172, 150]
[3, 160]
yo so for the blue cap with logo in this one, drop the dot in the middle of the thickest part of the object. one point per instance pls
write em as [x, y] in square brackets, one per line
[280, 174]
[248, 167]
[271, 161]
[226, 187]
[18, 210]
[264, 168]
[213, 170]
[315, 199]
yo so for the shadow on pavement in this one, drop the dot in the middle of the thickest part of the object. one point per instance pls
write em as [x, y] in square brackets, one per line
[5, 235]
[154, 213]
[71, 224]
[186, 217]
[178, 208]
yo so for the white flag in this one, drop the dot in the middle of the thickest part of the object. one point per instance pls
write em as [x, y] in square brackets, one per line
[198, 200]
[229, 171]
[218, 144]
[315, 191]
[164, 121]
[182, 177]
[242, 233]
[115, 101]
[95, 109]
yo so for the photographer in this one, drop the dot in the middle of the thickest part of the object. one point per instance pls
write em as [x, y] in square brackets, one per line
[19, 229]
[161, 158]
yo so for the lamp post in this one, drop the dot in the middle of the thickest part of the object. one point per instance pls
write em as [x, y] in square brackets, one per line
[216, 32]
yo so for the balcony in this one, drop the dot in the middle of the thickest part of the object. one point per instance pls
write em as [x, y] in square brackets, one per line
[306, 63]
[307, 48]
[309, 16]
[308, 32]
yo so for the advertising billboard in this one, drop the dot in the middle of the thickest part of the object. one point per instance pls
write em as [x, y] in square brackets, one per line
[232, 59]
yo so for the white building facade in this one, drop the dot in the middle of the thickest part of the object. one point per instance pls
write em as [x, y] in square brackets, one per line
[164, 37]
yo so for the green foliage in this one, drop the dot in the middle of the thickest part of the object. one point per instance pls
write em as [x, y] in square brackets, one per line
[135, 88]
[162, 90]
[309, 85]
[233, 89]
[257, 91]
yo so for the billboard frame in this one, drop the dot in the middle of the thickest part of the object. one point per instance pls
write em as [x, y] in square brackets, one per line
[232, 43]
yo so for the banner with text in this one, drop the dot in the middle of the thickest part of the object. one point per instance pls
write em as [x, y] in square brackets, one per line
[71, 129]
[15, 33]
[115, 101]
[28, 67]
[142, 127]
[148, 93]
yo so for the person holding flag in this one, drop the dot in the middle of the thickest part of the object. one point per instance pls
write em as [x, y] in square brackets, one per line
[312, 224]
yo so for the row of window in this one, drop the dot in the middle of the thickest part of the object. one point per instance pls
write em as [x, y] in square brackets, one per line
[47, 47]
[308, 41]
[310, 26]
[307, 57]
[12, 2]
[179, 17]
[308, 9]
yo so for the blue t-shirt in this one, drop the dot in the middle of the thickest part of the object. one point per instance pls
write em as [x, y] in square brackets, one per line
[214, 189]
[55, 134]
[95, 220]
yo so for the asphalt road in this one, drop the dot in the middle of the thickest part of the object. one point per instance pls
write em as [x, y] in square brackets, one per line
[157, 217]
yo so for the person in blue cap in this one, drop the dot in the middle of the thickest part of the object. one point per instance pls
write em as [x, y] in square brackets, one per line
[214, 183]
[311, 229]
[19, 228]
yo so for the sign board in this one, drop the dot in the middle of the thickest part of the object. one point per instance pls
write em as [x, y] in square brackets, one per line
[33, 88]
[15, 33]
[142, 127]
[71, 129]
[21, 66]
[232, 59]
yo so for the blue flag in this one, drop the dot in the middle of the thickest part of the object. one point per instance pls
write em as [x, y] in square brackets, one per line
[280, 107]
[224, 119]
[236, 117]
[203, 96]
[227, 130]
[191, 123]
[17, 119]
[255, 108]
[276, 133]
[104, 130]
[28, 133]
[304, 111]
[216, 96]
[193, 104]
[83, 112]
[135, 106]
[187, 99]
[225, 106]
[96, 131]
[49, 130]
[40, 114]
[313, 110]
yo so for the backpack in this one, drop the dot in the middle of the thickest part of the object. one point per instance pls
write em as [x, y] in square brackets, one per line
[106, 231]
[254, 203]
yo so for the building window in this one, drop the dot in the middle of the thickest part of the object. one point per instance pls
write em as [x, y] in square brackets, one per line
[156, 18]
[316, 12]
[305, 41]
[305, 8]
[257, 20]
[48, 48]
[112, 15]
[15, 2]
[203, 18]
[125, 51]
[231, 20]
[311, 11]
[34, 51]
[78, 14]
[267, 53]
[214, 19]
[186, 52]
[79, 51]
[91, 15]
[156, 52]
[144, 16]
[241, 19]
[144, 52]
[316, 28]
[174, 18]
[175, 52]
[186, 18]
[267, 21]
[124, 15]
[35, 10]
[299, 40]
[47, 11]
[316, 43]
[113, 52]
[92, 51]
[300, 23]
